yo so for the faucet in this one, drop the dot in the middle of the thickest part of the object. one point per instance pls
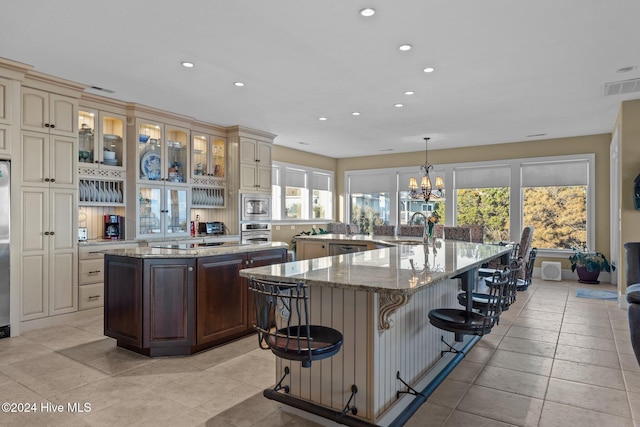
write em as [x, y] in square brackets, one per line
[424, 232]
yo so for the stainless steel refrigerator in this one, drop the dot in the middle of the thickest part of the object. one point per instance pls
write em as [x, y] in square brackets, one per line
[5, 228]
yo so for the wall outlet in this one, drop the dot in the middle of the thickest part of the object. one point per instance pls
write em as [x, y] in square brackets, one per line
[293, 227]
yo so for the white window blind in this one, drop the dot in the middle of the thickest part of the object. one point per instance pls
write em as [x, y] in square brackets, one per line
[321, 181]
[482, 177]
[546, 174]
[275, 175]
[369, 183]
[295, 178]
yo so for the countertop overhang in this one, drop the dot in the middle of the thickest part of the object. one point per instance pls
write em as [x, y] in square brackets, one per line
[400, 269]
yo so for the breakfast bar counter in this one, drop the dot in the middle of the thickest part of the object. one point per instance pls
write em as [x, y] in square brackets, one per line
[379, 299]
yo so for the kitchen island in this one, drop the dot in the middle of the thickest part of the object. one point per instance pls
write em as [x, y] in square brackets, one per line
[379, 299]
[181, 299]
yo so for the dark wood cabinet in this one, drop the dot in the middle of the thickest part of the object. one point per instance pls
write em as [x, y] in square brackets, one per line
[222, 300]
[177, 306]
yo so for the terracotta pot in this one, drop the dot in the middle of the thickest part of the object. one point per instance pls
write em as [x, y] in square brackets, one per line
[586, 276]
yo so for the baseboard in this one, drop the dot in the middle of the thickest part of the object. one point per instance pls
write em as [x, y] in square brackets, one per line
[60, 319]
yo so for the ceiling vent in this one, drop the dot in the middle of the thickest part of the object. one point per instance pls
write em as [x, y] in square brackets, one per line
[622, 87]
[101, 89]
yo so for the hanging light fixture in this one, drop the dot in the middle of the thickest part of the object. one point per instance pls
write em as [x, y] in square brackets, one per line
[426, 191]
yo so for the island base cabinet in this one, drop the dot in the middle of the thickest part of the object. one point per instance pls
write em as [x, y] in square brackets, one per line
[149, 304]
[222, 306]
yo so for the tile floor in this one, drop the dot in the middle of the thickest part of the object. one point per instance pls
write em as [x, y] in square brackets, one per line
[555, 359]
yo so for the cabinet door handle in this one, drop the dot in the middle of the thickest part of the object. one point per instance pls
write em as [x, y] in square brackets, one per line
[246, 263]
[252, 260]
[190, 269]
[95, 272]
[94, 297]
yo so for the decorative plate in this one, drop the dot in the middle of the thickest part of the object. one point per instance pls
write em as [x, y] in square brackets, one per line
[150, 165]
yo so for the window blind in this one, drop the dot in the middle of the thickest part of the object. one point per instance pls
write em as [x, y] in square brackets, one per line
[482, 177]
[546, 174]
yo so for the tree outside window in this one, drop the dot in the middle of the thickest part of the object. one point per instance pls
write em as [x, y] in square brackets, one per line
[488, 207]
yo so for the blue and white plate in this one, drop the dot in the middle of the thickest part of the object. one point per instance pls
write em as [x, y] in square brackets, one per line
[150, 165]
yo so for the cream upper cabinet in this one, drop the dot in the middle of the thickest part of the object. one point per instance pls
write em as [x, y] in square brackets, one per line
[49, 112]
[101, 139]
[255, 165]
[5, 101]
[49, 252]
[48, 160]
[208, 156]
[162, 152]
[8, 112]
[162, 211]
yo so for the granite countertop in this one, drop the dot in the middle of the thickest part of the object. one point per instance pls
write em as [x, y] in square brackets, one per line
[151, 242]
[403, 268]
[185, 251]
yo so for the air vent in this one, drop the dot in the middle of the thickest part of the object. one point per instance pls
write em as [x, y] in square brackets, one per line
[551, 271]
[622, 87]
[101, 89]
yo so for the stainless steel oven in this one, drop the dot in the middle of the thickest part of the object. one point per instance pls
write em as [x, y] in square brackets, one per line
[255, 232]
[255, 207]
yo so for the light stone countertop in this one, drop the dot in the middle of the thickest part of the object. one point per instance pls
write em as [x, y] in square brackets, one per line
[151, 242]
[401, 269]
[185, 251]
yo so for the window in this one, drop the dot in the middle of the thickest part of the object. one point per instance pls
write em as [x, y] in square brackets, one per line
[301, 193]
[555, 200]
[410, 206]
[369, 200]
[482, 198]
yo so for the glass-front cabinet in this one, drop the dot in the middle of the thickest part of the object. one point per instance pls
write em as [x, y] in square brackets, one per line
[101, 137]
[162, 152]
[208, 156]
[162, 211]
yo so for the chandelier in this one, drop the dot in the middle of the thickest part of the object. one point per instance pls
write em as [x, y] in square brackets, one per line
[426, 191]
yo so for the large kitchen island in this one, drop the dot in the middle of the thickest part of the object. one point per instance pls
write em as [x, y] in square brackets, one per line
[181, 299]
[379, 299]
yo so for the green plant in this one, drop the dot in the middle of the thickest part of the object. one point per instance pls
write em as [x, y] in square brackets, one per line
[592, 261]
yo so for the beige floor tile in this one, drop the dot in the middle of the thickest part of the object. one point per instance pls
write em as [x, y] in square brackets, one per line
[632, 381]
[591, 356]
[479, 354]
[629, 362]
[581, 319]
[38, 366]
[588, 374]
[533, 334]
[589, 330]
[541, 315]
[466, 371]
[542, 306]
[465, 419]
[449, 393]
[102, 394]
[586, 312]
[521, 362]
[586, 341]
[60, 380]
[429, 415]
[502, 406]
[558, 415]
[588, 396]
[256, 371]
[634, 401]
[521, 345]
[492, 340]
[517, 382]
[530, 322]
[19, 353]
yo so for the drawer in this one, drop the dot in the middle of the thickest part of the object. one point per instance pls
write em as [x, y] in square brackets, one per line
[90, 296]
[90, 271]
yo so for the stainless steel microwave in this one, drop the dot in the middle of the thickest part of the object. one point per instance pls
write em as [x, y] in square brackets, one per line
[255, 207]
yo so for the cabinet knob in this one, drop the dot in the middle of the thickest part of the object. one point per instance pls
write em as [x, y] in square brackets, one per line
[190, 269]
[52, 126]
[52, 233]
[46, 233]
[252, 261]
[52, 180]
[47, 180]
[246, 263]
[95, 161]
[257, 160]
[47, 125]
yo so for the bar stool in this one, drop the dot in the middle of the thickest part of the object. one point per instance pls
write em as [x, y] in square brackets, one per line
[480, 300]
[523, 284]
[463, 322]
[282, 322]
[510, 290]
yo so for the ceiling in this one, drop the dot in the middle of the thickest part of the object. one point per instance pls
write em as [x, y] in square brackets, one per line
[504, 70]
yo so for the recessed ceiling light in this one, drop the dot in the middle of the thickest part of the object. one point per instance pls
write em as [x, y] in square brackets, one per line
[239, 84]
[187, 64]
[404, 47]
[399, 105]
[409, 92]
[626, 69]
[355, 113]
[429, 70]
[322, 118]
[367, 12]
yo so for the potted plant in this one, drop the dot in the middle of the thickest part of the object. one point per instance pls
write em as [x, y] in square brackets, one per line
[588, 265]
